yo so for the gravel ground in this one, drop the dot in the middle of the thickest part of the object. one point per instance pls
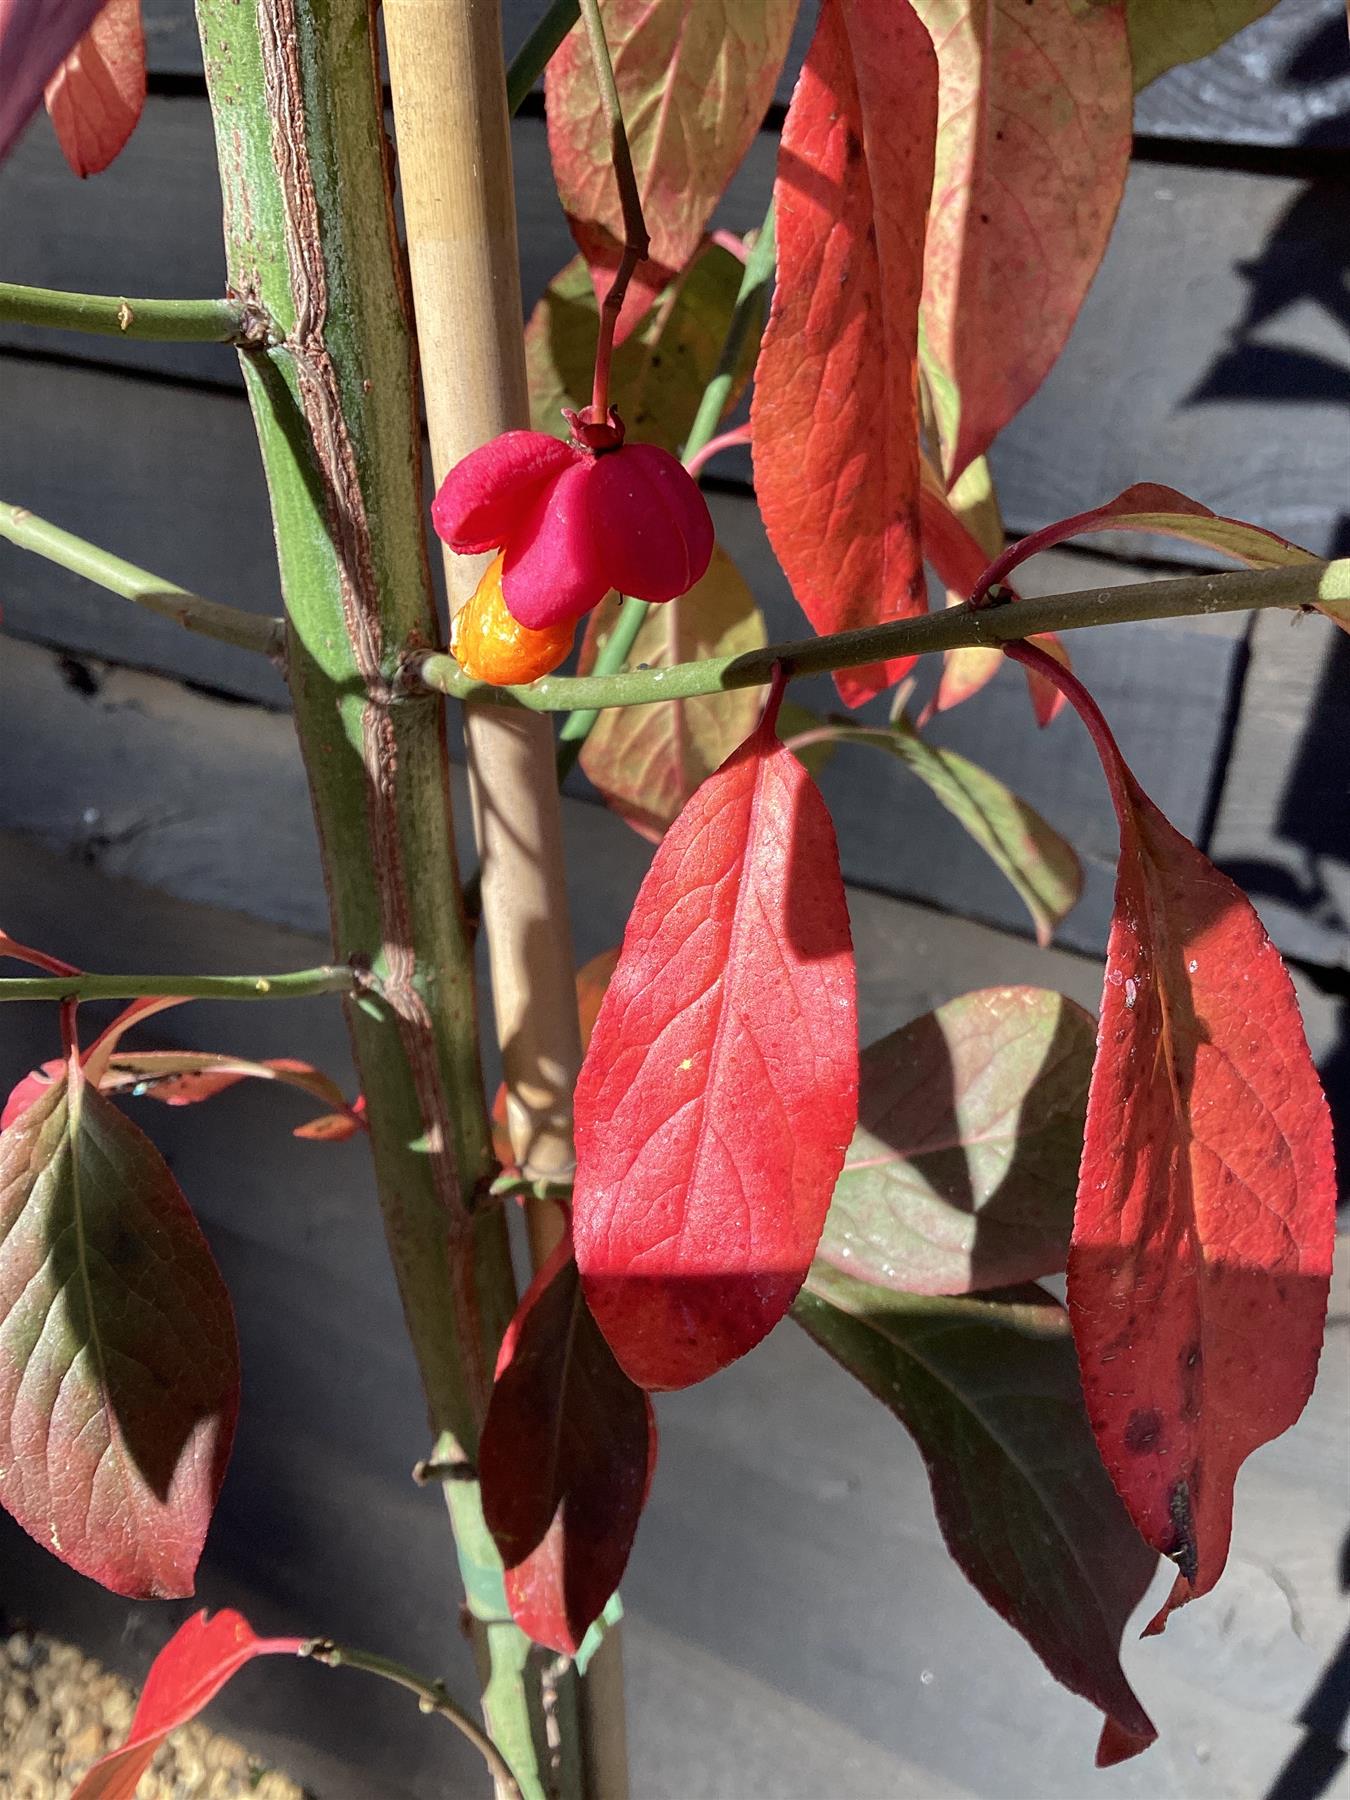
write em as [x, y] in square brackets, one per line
[59, 1710]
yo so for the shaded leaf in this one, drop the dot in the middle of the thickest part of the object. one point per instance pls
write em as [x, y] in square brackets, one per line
[695, 78]
[1039, 863]
[1163, 512]
[963, 1169]
[810, 741]
[187, 1675]
[35, 38]
[719, 1092]
[1164, 33]
[566, 1460]
[1033, 145]
[658, 373]
[989, 1391]
[647, 760]
[835, 424]
[96, 96]
[119, 1371]
[1206, 1203]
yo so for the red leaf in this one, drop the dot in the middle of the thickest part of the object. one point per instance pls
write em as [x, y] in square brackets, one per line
[34, 1084]
[695, 78]
[96, 96]
[566, 1460]
[720, 1089]
[187, 1675]
[1034, 133]
[1160, 512]
[990, 1392]
[960, 561]
[834, 416]
[35, 37]
[119, 1371]
[1202, 1236]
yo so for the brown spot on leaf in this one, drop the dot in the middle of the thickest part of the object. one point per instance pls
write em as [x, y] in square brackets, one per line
[1143, 1430]
[1182, 1549]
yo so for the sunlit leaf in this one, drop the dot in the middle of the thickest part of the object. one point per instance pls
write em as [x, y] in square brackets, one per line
[96, 96]
[1039, 863]
[119, 1371]
[1033, 144]
[835, 424]
[35, 38]
[1203, 1232]
[187, 1675]
[695, 78]
[719, 1092]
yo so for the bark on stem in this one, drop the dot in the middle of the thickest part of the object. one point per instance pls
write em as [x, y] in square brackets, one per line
[1299, 588]
[454, 147]
[309, 224]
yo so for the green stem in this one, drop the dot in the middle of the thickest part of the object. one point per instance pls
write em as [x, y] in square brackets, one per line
[536, 52]
[297, 984]
[953, 628]
[223, 624]
[311, 234]
[161, 321]
[747, 317]
[431, 1696]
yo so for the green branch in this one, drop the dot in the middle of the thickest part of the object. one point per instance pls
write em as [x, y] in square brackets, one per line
[236, 322]
[297, 984]
[431, 1696]
[224, 624]
[953, 628]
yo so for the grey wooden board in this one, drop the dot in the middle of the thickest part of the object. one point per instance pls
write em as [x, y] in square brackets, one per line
[1213, 352]
[63, 753]
[206, 801]
[1282, 81]
[795, 1628]
[1283, 822]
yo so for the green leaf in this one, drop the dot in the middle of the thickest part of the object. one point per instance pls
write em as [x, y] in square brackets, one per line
[798, 721]
[119, 1371]
[1038, 862]
[963, 1169]
[659, 372]
[647, 760]
[1164, 33]
[989, 1390]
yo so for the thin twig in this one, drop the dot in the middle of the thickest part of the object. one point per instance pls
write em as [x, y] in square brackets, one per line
[238, 322]
[953, 628]
[746, 320]
[295, 984]
[431, 1696]
[208, 618]
[696, 461]
[636, 242]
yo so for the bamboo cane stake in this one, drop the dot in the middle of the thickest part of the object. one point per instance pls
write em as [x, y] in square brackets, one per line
[454, 150]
